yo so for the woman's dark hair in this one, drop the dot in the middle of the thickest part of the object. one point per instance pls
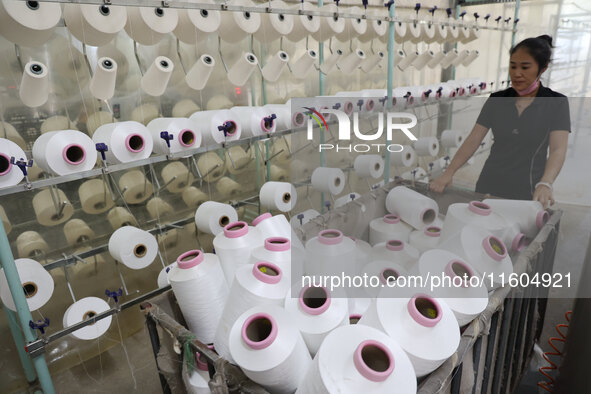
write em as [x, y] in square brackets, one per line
[540, 48]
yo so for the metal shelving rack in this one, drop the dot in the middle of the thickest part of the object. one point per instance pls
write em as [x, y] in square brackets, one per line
[31, 346]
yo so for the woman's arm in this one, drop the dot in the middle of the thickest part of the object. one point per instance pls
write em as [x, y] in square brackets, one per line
[464, 153]
[558, 145]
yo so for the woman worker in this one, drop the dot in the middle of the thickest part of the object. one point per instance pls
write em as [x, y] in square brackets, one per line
[526, 119]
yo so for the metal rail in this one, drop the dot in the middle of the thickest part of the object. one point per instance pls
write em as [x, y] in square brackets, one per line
[37, 347]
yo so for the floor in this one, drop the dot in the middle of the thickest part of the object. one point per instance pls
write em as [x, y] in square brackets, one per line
[129, 369]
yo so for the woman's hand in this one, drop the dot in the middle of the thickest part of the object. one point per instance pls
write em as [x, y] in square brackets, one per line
[543, 194]
[439, 184]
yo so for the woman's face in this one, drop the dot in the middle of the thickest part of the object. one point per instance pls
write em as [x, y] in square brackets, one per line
[523, 69]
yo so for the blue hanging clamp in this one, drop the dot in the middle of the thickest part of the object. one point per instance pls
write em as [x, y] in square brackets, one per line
[337, 1]
[508, 20]
[516, 20]
[360, 104]
[269, 119]
[167, 137]
[21, 163]
[427, 92]
[300, 217]
[498, 19]
[365, 3]
[336, 106]
[327, 205]
[225, 127]
[486, 17]
[462, 15]
[114, 294]
[448, 12]
[417, 8]
[352, 196]
[102, 148]
[389, 4]
[476, 16]
[40, 325]
[383, 100]
[432, 10]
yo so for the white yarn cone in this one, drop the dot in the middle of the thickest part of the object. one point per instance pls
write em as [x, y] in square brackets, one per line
[234, 246]
[484, 251]
[426, 239]
[257, 284]
[464, 297]
[265, 343]
[359, 359]
[398, 252]
[529, 215]
[388, 227]
[316, 312]
[424, 327]
[201, 291]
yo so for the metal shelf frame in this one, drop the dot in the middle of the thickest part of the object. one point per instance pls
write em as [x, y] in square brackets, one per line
[222, 6]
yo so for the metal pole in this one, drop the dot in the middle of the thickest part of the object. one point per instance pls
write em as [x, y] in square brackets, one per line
[19, 341]
[515, 17]
[514, 32]
[22, 309]
[321, 93]
[390, 83]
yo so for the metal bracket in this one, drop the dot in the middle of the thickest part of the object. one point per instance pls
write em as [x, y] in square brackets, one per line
[35, 349]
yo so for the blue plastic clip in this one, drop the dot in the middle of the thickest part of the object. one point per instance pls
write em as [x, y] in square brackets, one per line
[166, 136]
[486, 17]
[476, 16]
[336, 106]
[300, 217]
[383, 100]
[516, 20]
[102, 148]
[427, 92]
[432, 10]
[40, 325]
[417, 7]
[508, 20]
[360, 104]
[22, 164]
[114, 294]
[389, 4]
[269, 119]
[462, 14]
[365, 3]
[225, 127]
[327, 205]
[337, 1]
[448, 12]
[352, 196]
[498, 19]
